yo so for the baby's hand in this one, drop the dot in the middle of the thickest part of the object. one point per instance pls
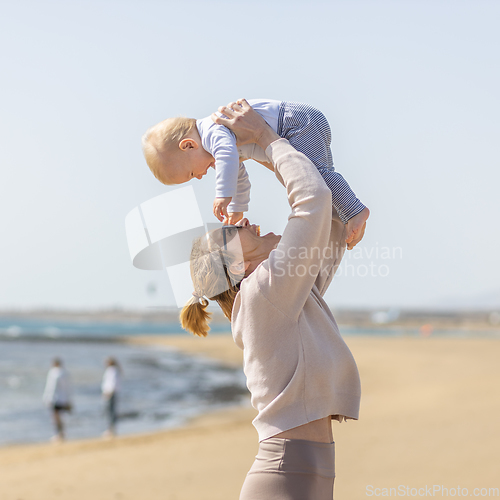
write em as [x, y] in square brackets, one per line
[234, 218]
[220, 207]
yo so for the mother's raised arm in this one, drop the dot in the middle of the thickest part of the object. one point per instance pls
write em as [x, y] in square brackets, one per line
[293, 267]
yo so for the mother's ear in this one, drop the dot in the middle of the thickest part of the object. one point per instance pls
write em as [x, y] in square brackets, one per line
[239, 267]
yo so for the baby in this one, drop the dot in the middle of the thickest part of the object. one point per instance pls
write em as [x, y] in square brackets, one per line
[180, 149]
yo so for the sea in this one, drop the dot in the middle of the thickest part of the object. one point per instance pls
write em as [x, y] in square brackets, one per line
[161, 387]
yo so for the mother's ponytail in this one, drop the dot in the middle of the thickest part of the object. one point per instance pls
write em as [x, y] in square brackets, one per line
[211, 280]
[194, 316]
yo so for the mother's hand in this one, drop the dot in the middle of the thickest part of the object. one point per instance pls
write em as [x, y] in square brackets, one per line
[246, 124]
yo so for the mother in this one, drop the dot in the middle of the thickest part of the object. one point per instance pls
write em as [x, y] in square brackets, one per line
[299, 371]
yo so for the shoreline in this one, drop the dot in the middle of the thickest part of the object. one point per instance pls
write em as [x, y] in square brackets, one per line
[216, 346]
[428, 416]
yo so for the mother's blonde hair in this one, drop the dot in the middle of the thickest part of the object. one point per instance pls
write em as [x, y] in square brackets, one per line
[212, 279]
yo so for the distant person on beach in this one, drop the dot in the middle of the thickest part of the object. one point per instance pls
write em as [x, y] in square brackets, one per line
[57, 395]
[110, 387]
[180, 149]
[300, 373]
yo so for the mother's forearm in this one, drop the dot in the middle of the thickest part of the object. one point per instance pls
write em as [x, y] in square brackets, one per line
[267, 137]
[266, 164]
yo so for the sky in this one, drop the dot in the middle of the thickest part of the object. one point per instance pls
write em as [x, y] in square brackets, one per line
[410, 89]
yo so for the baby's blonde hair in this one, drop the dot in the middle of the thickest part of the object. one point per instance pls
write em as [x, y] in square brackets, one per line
[162, 139]
[209, 277]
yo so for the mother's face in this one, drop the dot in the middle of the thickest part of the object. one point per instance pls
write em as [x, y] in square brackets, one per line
[248, 247]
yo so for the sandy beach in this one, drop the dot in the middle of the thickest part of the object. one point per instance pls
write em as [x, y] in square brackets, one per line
[429, 418]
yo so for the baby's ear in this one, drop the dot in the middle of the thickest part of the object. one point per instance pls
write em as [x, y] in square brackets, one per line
[188, 143]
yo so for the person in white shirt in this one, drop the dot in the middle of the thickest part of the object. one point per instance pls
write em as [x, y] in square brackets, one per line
[57, 395]
[110, 387]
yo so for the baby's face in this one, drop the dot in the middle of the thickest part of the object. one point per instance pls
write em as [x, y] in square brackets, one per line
[189, 164]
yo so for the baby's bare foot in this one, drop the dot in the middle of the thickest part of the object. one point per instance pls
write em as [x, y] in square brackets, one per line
[356, 228]
[357, 238]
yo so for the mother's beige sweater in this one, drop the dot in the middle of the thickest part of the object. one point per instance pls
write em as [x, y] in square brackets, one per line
[297, 365]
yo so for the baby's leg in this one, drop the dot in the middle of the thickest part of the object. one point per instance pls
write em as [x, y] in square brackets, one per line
[343, 198]
[308, 131]
[351, 211]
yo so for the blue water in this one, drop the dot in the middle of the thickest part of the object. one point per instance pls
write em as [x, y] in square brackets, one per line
[161, 388]
[18, 327]
[83, 329]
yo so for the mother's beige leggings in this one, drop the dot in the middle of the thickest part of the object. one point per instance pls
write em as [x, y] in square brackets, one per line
[291, 469]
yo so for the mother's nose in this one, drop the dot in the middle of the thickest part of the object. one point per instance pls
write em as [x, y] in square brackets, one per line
[244, 222]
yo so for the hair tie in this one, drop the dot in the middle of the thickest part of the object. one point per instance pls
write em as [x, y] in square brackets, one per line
[200, 298]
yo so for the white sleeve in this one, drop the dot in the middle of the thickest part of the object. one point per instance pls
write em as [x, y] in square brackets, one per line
[241, 199]
[222, 143]
[50, 388]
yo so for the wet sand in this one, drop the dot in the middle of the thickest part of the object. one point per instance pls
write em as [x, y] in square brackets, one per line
[429, 417]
